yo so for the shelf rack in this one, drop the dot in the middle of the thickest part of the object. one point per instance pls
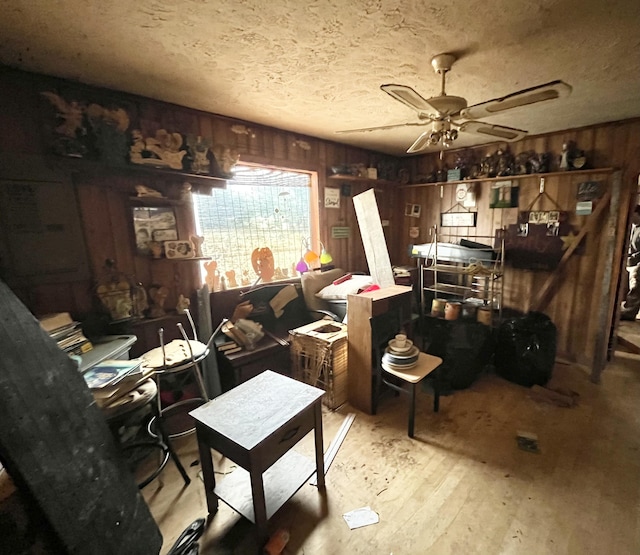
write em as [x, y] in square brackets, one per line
[462, 269]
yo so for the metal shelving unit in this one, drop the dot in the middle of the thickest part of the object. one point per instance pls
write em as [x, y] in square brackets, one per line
[462, 268]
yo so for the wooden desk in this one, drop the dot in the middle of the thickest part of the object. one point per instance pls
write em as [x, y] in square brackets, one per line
[359, 309]
[255, 425]
[236, 368]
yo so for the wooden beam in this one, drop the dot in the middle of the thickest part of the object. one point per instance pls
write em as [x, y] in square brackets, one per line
[606, 308]
[375, 244]
[548, 289]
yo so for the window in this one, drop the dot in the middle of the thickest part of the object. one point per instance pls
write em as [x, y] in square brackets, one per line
[261, 208]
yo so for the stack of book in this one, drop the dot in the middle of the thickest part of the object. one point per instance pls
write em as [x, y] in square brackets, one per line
[67, 333]
[110, 379]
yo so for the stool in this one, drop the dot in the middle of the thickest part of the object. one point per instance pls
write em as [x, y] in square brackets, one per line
[130, 410]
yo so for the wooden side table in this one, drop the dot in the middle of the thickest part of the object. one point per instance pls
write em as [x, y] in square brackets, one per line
[255, 425]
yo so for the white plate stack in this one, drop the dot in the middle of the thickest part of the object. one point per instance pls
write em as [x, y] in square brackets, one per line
[400, 358]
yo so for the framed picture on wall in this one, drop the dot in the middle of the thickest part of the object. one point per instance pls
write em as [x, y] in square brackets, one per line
[153, 223]
[458, 219]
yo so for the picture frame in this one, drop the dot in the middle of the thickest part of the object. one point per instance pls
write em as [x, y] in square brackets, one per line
[147, 221]
[179, 249]
[413, 210]
[331, 197]
[162, 235]
[458, 219]
[504, 194]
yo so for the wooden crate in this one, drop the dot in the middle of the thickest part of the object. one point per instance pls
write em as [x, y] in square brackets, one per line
[319, 358]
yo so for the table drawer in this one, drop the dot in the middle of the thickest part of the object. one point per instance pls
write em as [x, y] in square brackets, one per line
[276, 445]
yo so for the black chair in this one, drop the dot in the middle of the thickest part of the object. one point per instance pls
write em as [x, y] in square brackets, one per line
[384, 328]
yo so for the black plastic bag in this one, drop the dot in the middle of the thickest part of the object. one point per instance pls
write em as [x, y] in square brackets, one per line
[465, 347]
[526, 349]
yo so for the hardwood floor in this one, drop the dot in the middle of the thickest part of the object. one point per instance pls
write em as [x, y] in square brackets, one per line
[462, 485]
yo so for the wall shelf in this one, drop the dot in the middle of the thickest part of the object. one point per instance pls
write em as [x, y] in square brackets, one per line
[341, 177]
[155, 201]
[510, 177]
[191, 259]
[93, 167]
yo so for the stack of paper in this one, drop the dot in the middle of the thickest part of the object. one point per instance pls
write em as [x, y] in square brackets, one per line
[111, 379]
[110, 372]
[66, 332]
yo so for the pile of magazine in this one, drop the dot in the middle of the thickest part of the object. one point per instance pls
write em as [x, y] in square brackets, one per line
[111, 379]
[66, 332]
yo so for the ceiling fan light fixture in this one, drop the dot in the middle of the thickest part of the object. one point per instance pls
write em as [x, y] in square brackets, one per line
[447, 105]
[441, 133]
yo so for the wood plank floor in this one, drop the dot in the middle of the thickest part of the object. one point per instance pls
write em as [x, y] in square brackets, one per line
[462, 485]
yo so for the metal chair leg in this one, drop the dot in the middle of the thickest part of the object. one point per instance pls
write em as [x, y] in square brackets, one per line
[412, 409]
[163, 438]
[174, 456]
[436, 396]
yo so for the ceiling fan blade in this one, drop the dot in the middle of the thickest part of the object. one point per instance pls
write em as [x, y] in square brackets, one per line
[408, 97]
[494, 131]
[548, 91]
[420, 143]
[392, 126]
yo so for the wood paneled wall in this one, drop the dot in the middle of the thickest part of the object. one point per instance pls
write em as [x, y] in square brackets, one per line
[576, 304]
[105, 208]
[103, 195]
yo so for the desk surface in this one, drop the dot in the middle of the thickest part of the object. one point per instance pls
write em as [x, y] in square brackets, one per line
[109, 346]
[252, 411]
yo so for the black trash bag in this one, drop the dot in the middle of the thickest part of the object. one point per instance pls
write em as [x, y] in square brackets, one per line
[525, 349]
[465, 348]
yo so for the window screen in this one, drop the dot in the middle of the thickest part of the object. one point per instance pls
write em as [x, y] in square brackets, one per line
[260, 208]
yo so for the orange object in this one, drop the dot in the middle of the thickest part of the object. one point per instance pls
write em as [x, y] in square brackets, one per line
[262, 262]
[277, 542]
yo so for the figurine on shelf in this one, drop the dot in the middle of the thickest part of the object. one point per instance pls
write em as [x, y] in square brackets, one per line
[488, 166]
[231, 278]
[213, 275]
[158, 295]
[143, 191]
[114, 292]
[545, 162]
[521, 164]
[565, 162]
[504, 164]
[185, 191]
[140, 300]
[156, 249]
[183, 304]
[197, 241]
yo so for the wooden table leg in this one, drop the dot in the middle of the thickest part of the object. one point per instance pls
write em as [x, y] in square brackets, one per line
[259, 505]
[319, 447]
[206, 461]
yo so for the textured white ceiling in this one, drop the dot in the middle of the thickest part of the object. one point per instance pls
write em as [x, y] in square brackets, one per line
[315, 67]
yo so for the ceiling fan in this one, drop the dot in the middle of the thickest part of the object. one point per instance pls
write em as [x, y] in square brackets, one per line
[443, 113]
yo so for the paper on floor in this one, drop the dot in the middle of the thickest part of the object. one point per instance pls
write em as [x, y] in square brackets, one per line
[361, 517]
